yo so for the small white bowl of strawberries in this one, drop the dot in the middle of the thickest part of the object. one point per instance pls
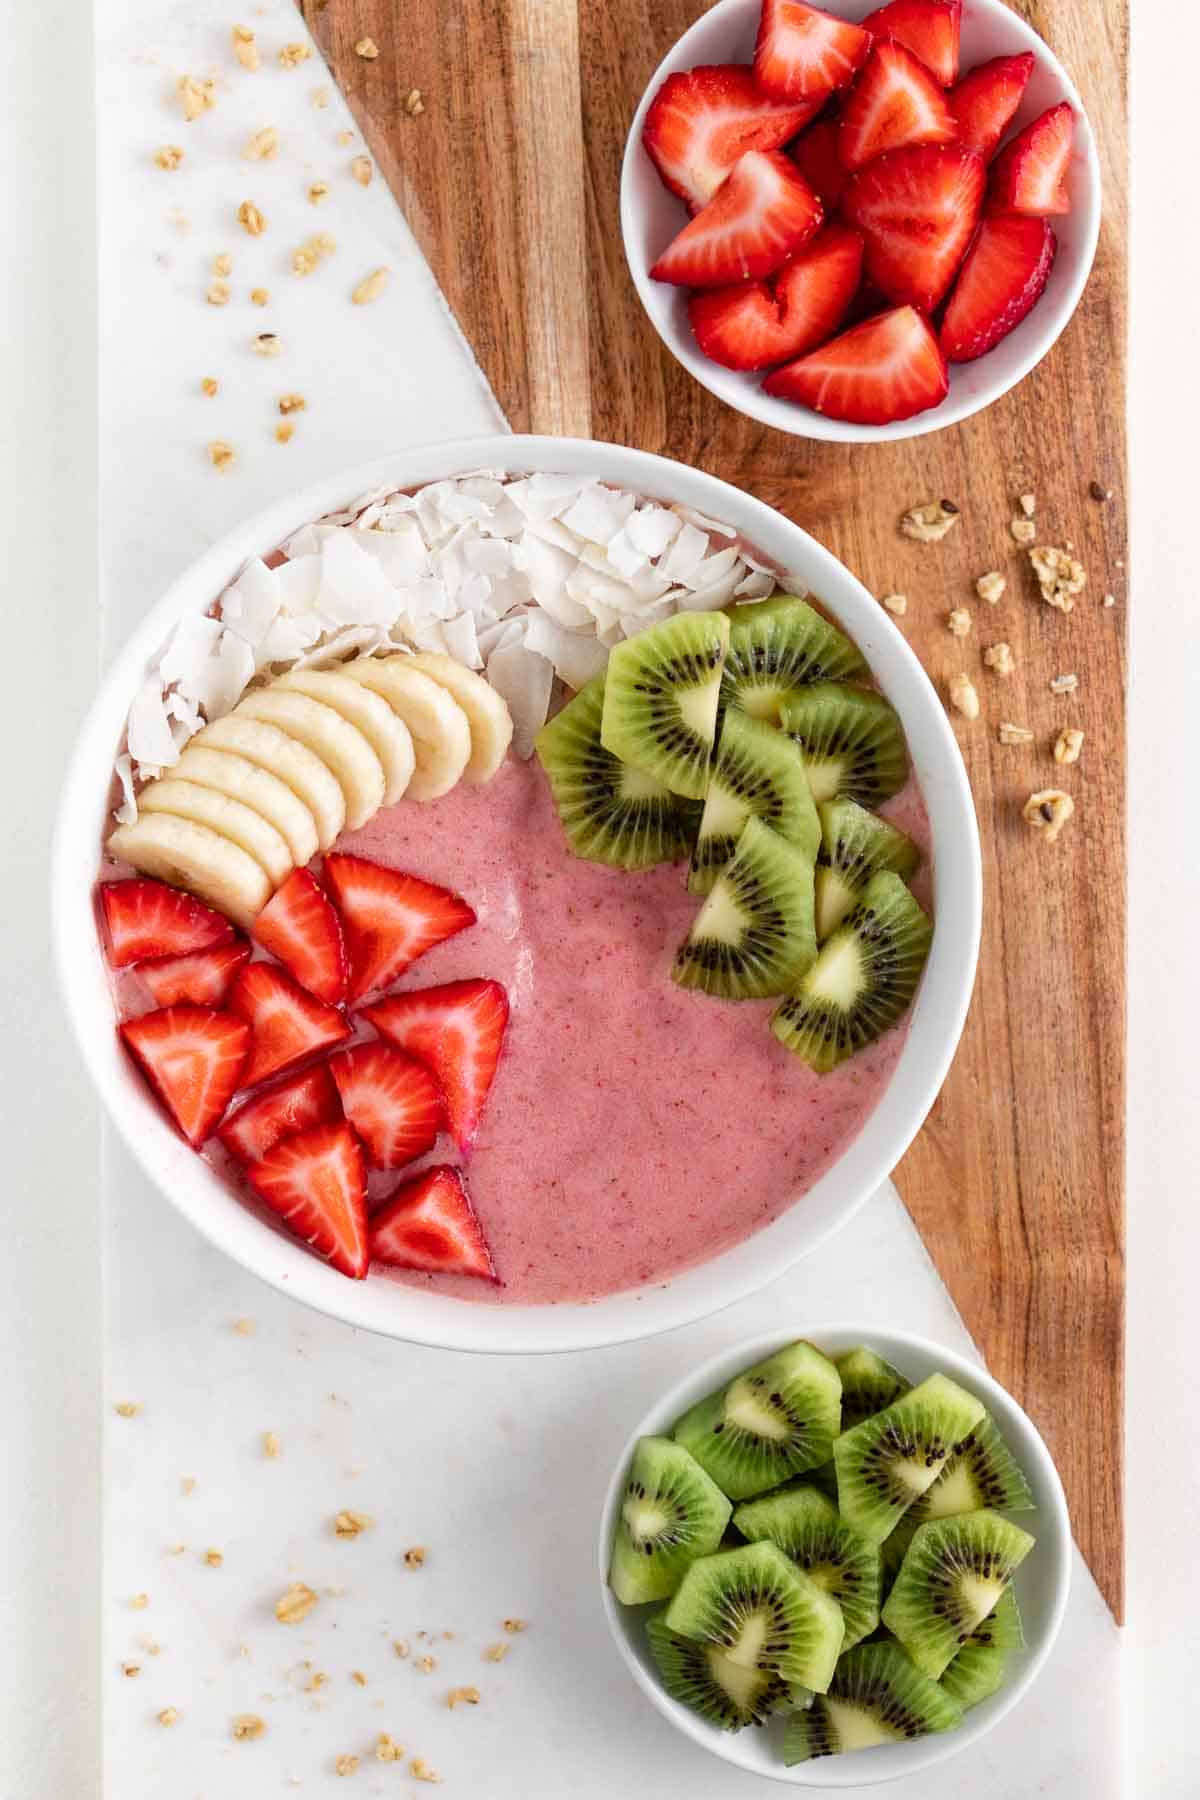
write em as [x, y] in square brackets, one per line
[862, 223]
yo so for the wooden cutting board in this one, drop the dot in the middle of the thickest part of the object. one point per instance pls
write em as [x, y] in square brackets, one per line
[508, 175]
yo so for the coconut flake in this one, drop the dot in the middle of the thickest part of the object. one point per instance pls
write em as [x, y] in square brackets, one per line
[462, 641]
[193, 641]
[714, 594]
[361, 639]
[500, 635]
[354, 589]
[576, 655]
[127, 812]
[524, 681]
[148, 733]
[287, 639]
[687, 550]
[715, 568]
[756, 585]
[652, 528]
[249, 606]
[598, 514]
[299, 585]
[704, 522]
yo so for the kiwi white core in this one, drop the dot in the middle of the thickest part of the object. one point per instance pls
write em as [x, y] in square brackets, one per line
[978, 1597]
[824, 777]
[750, 1641]
[639, 784]
[741, 1684]
[744, 1409]
[645, 1520]
[698, 707]
[721, 918]
[763, 702]
[954, 1493]
[723, 812]
[838, 975]
[856, 1730]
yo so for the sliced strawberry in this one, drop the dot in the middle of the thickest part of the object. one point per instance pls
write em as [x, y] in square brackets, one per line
[760, 323]
[193, 1057]
[929, 28]
[815, 154]
[457, 1031]
[430, 1224]
[699, 123]
[986, 99]
[802, 53]
[203, 977]
[888, 368]
[1003, 277]
[894, 102]
[392, 1101]
[389, 918]
[148, 918]
[317, 1182]
[287, 1023]
[916, 209]
[290, 1106]
[1030, 173]
[761, 213]
[300, 927]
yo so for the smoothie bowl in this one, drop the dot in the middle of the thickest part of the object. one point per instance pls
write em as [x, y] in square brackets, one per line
[530, 877]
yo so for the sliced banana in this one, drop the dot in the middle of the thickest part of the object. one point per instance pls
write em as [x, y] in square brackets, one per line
[271, 798]
[441, 734]
[383, 728]
[341, 746]
[487, 714]
[240, 824]
[194, 857]
[283, 756]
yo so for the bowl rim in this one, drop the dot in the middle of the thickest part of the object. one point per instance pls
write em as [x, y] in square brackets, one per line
[752, 402]
[1031, 1452]
[421, 1316]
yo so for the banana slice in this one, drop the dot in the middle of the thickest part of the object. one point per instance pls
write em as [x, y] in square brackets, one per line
[283, 756]
[487, 714]
[441, 734]
[271, 798]
[385, 731]
[192, 856]
[240, 824]
[340, 745]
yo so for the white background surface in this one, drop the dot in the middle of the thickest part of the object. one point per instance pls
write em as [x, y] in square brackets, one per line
[177, 1314]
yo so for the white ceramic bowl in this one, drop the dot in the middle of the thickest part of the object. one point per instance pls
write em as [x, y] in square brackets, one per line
[650, 218]
[250, 1236]
[1041, 1583]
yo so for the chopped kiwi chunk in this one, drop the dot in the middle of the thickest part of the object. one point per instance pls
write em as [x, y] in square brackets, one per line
[855, 845]
[671, 1513]
[862, 979]
[885, 1463]
[852, 742]
[868, 1385]
[806, 1527]
[699, 1675]
[762, 1613]
[953, 1575]
[876, 1697]
[772, 1421]
[975, 1674]
[984, 1473]
[759, 771]
[1002, 1629]
[660, 699]
[777, 646]
[754, 934]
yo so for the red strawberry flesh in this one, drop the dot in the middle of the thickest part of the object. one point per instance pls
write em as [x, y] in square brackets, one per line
[293, 1105]
[392, 1101]
[316, 1181]
[1030, 173]
[759, 324]
[916, 209]
[986, 99]
[147, 918]
[894, 102]
[761, 213]
[457, 1031]
[389, 919]
[802, 53]
[203, 976]
[287, 1023]
[300, 927]
[929, 28]
[1003, 277]
[815, 154]
[700, 122]
[193, 1057]
[430, 1224]
[887, 368]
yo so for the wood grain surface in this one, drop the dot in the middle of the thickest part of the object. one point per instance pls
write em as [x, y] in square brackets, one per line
[509, 178]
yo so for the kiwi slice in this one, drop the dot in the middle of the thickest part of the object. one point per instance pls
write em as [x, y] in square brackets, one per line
[1002, 1629]
[777, 646]
[868, 1385]
[672, 1512]
[894, 1549]
[756, 770]
[885, 1463]
[983, 1473]
[953, 1575]
[974, 1675]
[762, 1613]
[660, 699]
[824, 1476]
[876, 1697]
[611, 813]
[774, 1420]
[854, 846]
[806, 1527]
[862, 979]
[699, 1675]
[852, 742]
[754, 934]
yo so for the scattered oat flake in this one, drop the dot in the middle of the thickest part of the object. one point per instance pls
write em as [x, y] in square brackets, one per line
[223, 264]
[1027, 504]
[370, 288]
[989, 587]
[426, 1664]
[169, 1716]
[271, 1444]
[317, 191]
[312, 253]
[285, 432]
[150, 1647]
[290, 403]
[895, 603]
[267, 343]
[139, 1602]
[219, 293]
[263, 146]
[292, 55]
[295, 1604]
[1014, 734]
[513, 1626]
[127, 1409]
[420, 1770]
[251, 218]
[963, 696]
[259, 296]
[1023, 530]
[348, 1524]
[462, 1696]
[1068, 745]
[248, 1725]
[130, 1669]
[1064, 684]
[344, 138]
[245, 48]
[387, 1749]
[195, 97]
[214, 1558]
[176, 1549]
[958, 623]
[414, 105]
[400, 1646]
[169, 157]
[209, 386]
[221, 455]
[495, 1653]
[1000, 658]
[316, 1681]
[415, 1558]
[319, 97]
[187, 1484]
[345, 1765]
[362, 170]
[929, 523]
[358, 1678]
[1060, 576]
[367, 49]
[1048, 811]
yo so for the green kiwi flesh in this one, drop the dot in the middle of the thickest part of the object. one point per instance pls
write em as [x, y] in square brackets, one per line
[888, 1461]
[660, 699]
[671, 1513]
[1002, 1629]
[754, 935]
[698, 1675]
[852, 742]
[855, 845]
[953, 1575]
[806, 1527]
[984, 1473]
[774, 1420]
[868, 1385]
[777, 646]
[756, 770]
[876, 1697]
[975, 1674]
[757, 1608]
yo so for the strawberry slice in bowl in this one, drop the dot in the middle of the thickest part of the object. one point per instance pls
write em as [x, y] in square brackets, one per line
[894, 102]
[202, 976]
[929, 28]
[763, 211]
[1002, 279]
[758, 324]
[194, 1058]
[802, 53]
[287, 1024]
[392, 1101]
[430, 1224]
[299, 926]
[457, 1030]
[389, 919]
[985, 101]
[888, 368]
[702, 120]
[916, 209]
[145, 918]
[1030, 173]
[817, 155]
[296, 1104]
[316, 1182]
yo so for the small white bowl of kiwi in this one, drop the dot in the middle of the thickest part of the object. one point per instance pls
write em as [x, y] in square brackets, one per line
[835, 1561]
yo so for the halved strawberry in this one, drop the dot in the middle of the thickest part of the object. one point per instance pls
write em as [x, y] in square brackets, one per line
[290, 1106]
[389, 918]
[430, 1224]
[203, 977]
[148, 918]
[888, 368]
[1003, 277]
[929, 28]
[701, 121]
[760, 323]
[986, 98]
[815, 154]
[1030, 173]
[287, 1023]
[761, 213]
[802, 53]
[916, 209]
[317, 1182]
[193, 1057]
[392, 1101]
[300, 927]
[457, 1030]
[894, 102]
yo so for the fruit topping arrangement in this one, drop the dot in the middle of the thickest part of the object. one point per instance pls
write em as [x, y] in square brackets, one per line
[747, 743]
[858, 222]
[831, 1544]
[323, 1106]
